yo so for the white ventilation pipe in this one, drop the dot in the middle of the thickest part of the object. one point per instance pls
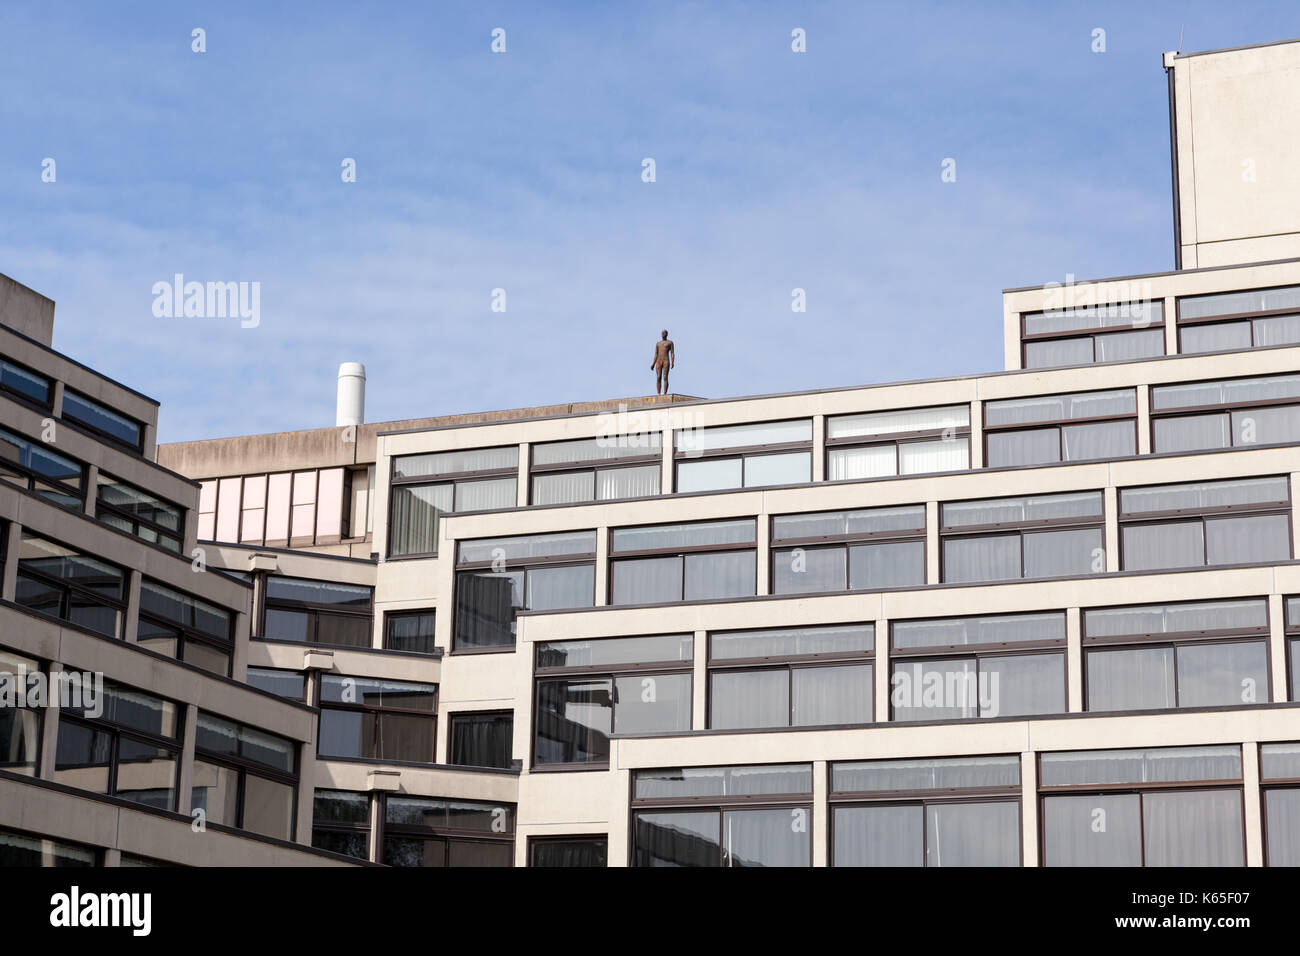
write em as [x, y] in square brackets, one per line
[352, 394]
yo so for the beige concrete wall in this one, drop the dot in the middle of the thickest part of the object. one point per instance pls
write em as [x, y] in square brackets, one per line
[26, 311]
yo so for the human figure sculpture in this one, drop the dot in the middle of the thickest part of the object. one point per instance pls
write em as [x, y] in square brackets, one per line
[665, 359]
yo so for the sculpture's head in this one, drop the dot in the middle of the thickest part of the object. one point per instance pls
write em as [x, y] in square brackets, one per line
[665, 334]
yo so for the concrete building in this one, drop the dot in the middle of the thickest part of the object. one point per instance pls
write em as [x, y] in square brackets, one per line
[1042, 616]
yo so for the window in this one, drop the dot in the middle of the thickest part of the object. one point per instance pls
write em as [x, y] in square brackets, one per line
[596, 469]
[292, 685]
[744, 456]
[32, 850]
[419, 831]
[20, 727]
[722, 816]
[1205, 524]
[298, 509]
[185, 627]
[1279, 776]
[1224, 321]
[410, 631]
[587, 690]
[427, 486]
[1207, 654]
[341, 823]
[1293, 644]
[34, 467]
[1174, 806]
[950, 811]
[70, 586]
[139, 513]
[498, 577]
[23, 383]
[1235, 413]
[102, 420]
[683, 562]
[1059, 428]
[575, 851]
[1040, 536]
[1095, 333]
[483, 739]
[130, 751]
[955, 668]
[848, 550]
[793, 677]
[245, 778]
[317, 612]
[373, 719]
[910, 442]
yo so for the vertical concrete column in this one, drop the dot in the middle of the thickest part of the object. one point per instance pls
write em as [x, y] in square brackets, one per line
[56, 400]
[819, 448]
[700, 682]
[50, 728]
[932, 566]
[112, 857]
[1277, 647]
[821, 814]
[977, 434]
[185, 780]
[763, 543]
[523, 486]
[13, 545]
[1074, 659]
[1171, 325]
[376, 818]
[1110, 507]
[1250, 794]
[1029, 808]
[131, 624]
[666, 477]
[306, 791]
[149, 445]
[881, 670]
[620, 839]
[1295, 525]
[239, 662]
[92, 484]
[1144, 420]
[602, 566]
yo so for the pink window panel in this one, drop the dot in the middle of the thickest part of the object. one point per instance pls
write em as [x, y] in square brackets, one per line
[254, 517]
[304, 505]
[277, 507]
[228, 509]
[329, 504]
[207, 509]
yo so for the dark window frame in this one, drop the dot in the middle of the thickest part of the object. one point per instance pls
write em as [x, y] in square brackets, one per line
[1208, 411]
[186, 633]
[831, 542]
[455, 715]
[451, 478]
[1059, 424]
[22, 397]
[177, 534]
[314, 610]
[390, 616]
[68, 590]
[35, 478]
[43, 667]
[244, 766]
[894, 439]
[445, 833]
[378, 710]
[595, 839]
[1227, 318]
[136, 448]
[595, 467]
[1092, 333]
[343, 827]
[739, 453]
[1019, 529]
[614, 557]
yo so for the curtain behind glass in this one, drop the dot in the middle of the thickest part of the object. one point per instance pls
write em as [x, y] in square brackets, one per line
[646, 580]
[1122, 346]
[1092, 830]
[922, 457]
[831, 695]
[1223, 336]
[1198, 828]
[415, 517]
[1247, 539]
[677, 839]
[1191, 433]
[726, 575]
[1282, 826]
[1222, 675]
[485, 608]
[872, 461]
[767, 837]
[993, 558]
[1056, 352]
[1171, 544]
[749, 700]
[640, 482]
[1024, 684]
[1097, 440]
[972, 834]
[1140, 678]
[808, 570]
[1036, 446]
[563, 488]
[879, 836]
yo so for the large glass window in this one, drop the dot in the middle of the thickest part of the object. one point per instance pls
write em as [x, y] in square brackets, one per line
[423, 831]
[723, 816]
[791, 677]
[1095, 333]
[35, 467]
[569, 852]
[245, 777]
[317, 612]
[424, 487]
[1205, 654]
[908, 442]
[1234, 413]
[848, 550]
[102, 420]
[1227, 321]
[373, 719]
[126, 744]
[20, 727]
[955, 668]
[1057, 428]
[660, 564]
[588, 690]
[33, 850]
[744, 456]
[951, 811]
[1215, 522]
[23, 383]
[291, 685]
[1040, 536]
[483, 739]
[1279, 776]
[185, 627]
[410, 631]
[341, 822]
[596, 469]
[73, 587]
[1175, 806]
[139, 513]
[1293, 645]
[498, 577]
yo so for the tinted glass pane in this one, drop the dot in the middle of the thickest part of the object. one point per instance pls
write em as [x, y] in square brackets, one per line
[1222, 675]
[1051, 554]
[413, 522]
[1035, 446]
[1281, 827]
[1202, 828]
[832, 695]
[81, 409]
[698, 534]
[413, 633]
[1156, 764]
[652, 703]
[524, 549]
[709, 475]
[767, 837]
[726, 575]
[807, 570]
[355, 845]
[1138, 678]
[677, 839]
[991, 558]
[879, 836]
[937, 690]
[25, 382]
[972, 834]
[994, 629]
[1175, 618]
[1172, 544]
[886, 565]
[1092, 830]
[279, 588]
[597, 449]
[456, 462]
[268, 807]
[848, 523]
[786, 642]
[789, 469]
[1217, 337]
[646, 580]
[749, 699]
[574, 720]
[1248, 539]
[615, 651]
[1025, 684]
[570, 853]
[551, 588]
[482, 740]
[945, 773]
[485, 608]
[1057, 352]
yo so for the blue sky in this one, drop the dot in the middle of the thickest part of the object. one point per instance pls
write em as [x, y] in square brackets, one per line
[522, 171]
